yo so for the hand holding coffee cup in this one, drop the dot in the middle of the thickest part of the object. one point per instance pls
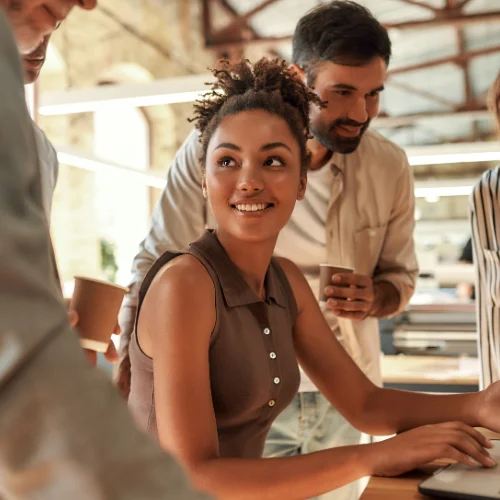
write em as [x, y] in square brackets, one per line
[348, 294]
[96, 305]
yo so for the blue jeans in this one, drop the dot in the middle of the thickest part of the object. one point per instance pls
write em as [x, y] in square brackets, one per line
[311, 424]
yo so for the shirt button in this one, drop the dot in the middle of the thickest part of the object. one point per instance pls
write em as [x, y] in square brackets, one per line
[277, 380]
[272, 355]
[267, 331]
[272, 402]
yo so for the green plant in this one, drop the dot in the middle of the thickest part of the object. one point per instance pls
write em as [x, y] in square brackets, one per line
[108, 260]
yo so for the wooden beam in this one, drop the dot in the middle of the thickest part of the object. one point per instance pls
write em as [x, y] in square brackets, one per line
[206, 17]
[423, 93]
[445, 18]
[456, 59]
[238, 26]
[405, 120]
[224, 51]
[469, 96]
[270, 42]
[420, 4]
[244, 18]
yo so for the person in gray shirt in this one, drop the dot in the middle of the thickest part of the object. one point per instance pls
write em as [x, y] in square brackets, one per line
[65, 433]
[32, 63]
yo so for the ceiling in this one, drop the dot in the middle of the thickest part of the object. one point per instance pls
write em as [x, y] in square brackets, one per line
[446, 54]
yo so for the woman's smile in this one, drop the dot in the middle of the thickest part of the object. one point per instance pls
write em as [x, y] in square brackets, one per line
[252, 208]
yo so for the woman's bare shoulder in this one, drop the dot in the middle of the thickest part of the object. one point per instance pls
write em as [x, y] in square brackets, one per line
[181, 285]
[181, 298]
[183, 274]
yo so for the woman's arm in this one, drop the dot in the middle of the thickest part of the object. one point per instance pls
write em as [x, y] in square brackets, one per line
[368, 407]
[175, 325]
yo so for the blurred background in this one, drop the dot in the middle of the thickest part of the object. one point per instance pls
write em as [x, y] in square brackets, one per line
[117, 89]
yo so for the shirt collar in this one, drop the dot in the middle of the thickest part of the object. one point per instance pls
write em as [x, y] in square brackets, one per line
[235, 289]
[337, 162]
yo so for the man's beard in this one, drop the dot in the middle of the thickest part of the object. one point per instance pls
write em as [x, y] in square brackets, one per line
[331, 140]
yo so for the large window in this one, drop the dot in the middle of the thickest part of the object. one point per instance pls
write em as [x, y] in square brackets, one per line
[121, 135]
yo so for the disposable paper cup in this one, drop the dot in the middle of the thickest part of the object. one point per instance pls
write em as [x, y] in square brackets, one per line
[97, 304]
[326, 273]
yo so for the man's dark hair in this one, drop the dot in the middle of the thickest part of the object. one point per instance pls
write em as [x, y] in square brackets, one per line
[342, 32]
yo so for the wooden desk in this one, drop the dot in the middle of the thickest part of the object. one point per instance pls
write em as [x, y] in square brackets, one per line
[399, 488]
[405, 487]
[426, 370]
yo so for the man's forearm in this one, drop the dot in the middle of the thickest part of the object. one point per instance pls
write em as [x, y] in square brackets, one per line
[126, 321]
[387, 299]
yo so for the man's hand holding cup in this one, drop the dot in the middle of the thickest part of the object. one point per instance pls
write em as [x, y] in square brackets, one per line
[93, 312]
[349, 295]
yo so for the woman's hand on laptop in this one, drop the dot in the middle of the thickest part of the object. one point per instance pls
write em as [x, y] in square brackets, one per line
[419, 446]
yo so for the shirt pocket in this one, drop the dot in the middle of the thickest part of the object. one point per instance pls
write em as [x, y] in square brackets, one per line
[491, 279]
[368, 244]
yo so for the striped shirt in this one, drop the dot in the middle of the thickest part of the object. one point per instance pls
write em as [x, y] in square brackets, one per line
[485, 219]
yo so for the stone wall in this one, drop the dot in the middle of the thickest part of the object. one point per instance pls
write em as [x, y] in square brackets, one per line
[151, 39]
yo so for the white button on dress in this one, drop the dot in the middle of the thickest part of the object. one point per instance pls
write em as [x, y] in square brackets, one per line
[272, 355]
[272, 402]
[266, 331]
[277, 380]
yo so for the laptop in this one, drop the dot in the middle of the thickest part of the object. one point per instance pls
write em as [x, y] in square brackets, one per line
[461, 482]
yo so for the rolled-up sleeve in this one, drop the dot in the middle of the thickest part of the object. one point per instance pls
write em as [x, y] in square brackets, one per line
[397, 263]
[179, 218]
[180, 214]
[484, 208]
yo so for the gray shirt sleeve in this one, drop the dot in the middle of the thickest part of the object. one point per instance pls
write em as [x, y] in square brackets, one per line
[180, 215]
[65, 433]
[49, 168]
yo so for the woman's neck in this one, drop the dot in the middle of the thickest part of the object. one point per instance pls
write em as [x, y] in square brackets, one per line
[251, 258]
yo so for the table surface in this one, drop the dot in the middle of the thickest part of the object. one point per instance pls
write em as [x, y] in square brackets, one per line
[405, 487]
[406, 369]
